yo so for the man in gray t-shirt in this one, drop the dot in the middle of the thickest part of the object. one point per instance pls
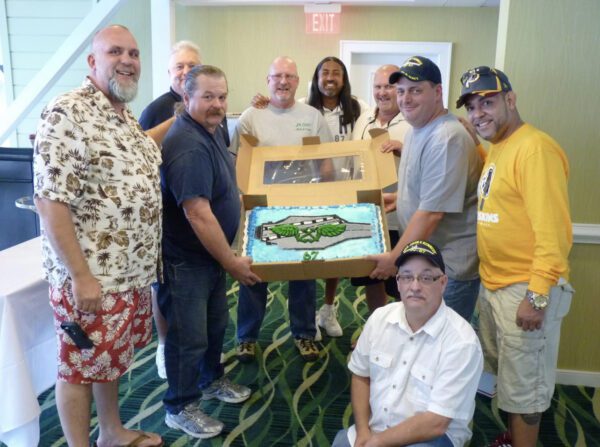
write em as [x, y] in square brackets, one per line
[284, 122]
[437, 183]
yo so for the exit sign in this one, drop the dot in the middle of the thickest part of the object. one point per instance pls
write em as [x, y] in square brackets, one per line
[322, 19]
[322, 23]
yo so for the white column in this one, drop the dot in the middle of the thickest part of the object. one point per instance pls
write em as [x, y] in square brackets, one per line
[163, 37]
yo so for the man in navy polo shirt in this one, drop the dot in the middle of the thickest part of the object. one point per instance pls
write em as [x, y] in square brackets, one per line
[200, 217]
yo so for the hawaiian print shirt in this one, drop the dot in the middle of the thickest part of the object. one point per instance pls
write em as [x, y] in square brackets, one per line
[107, 170]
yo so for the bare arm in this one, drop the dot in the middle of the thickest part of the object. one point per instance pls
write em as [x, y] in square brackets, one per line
[422, 224]
[157, 133]
[209, 232]
[59, 228]
[361, 409]
[260, 101]
[418, 428]
[394, 146]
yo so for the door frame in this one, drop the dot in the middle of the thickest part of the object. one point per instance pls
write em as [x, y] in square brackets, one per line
[438, 52]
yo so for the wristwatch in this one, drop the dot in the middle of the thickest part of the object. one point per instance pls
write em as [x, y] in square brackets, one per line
[537, 301]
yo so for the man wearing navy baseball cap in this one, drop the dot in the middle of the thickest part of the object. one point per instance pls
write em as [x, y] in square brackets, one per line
[437, 183]
[417, 363]
[523, 239]
[417, 69]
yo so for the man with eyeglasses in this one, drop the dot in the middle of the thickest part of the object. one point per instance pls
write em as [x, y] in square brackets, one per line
[284, 121]
[417, 363]
[437, 183]
[524, 235]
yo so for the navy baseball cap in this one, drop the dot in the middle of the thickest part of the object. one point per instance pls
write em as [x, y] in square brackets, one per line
[424, 249]
[482, 81]
[417, 69]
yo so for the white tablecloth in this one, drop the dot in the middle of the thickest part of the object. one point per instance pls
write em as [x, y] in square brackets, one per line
[27, 343]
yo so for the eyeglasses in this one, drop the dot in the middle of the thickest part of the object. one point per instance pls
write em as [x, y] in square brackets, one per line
[426, 280]
[283, 76]
[474, 73]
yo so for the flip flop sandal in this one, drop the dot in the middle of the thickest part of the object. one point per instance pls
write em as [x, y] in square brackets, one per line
[137, 441]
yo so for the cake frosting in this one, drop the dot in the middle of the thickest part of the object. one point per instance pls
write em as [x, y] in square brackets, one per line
[301, 233]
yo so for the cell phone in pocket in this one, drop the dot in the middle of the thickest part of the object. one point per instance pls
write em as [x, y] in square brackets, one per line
[77, 334]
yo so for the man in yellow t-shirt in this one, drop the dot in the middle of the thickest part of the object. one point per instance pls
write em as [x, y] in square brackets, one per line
[524, 235]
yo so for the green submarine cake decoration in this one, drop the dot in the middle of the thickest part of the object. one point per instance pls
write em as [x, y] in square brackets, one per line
[314, 232]
[305, 233]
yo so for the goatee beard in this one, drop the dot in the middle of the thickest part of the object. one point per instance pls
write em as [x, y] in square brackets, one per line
[122, 93]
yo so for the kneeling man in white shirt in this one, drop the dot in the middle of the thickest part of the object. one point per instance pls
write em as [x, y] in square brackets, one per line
[416, 366]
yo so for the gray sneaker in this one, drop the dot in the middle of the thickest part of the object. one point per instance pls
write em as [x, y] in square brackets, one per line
[193, 421]
[226, 391]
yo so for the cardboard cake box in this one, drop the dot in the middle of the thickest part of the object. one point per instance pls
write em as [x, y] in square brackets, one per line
[361, 170]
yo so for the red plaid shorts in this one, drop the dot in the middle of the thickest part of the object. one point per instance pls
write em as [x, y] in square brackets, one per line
[124, 323]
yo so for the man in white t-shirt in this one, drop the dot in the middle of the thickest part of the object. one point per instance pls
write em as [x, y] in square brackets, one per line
[417, 364]
[284, 121]
[331, 94]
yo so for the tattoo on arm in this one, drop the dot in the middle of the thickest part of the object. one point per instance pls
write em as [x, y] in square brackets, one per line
[532, 418]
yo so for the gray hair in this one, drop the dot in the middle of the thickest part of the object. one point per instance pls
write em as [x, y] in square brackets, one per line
[186, 45]
[190, 83]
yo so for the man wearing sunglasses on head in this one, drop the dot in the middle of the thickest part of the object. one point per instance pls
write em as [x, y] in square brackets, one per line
[524, 235]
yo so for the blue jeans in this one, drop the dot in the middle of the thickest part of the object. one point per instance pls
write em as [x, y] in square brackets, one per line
[462, 296]
[302, 306]
[192, 299]
[341, 440]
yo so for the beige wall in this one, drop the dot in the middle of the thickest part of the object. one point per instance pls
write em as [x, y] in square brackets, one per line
[244, 40]
[552, 59]
[135, 15]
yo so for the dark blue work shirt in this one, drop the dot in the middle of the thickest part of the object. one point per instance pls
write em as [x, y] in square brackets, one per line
[159, 110]
[195, 164]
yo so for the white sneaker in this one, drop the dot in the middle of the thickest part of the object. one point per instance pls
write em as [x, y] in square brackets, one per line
[225, 390]
[160, 361]
[318, 335]
[193, 421]
[327, 319]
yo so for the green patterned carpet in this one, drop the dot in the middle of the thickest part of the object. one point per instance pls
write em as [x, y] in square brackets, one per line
[304, 404]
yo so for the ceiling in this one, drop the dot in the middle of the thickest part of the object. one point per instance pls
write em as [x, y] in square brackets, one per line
[427, 3]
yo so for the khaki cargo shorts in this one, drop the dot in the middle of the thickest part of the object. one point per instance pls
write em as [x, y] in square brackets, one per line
[525, 362]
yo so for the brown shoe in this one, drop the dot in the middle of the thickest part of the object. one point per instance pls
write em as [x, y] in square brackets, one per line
[308, 349]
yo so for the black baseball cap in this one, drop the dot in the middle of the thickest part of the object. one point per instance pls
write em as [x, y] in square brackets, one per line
[425, 249]
[482, 81]
[417, 69]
